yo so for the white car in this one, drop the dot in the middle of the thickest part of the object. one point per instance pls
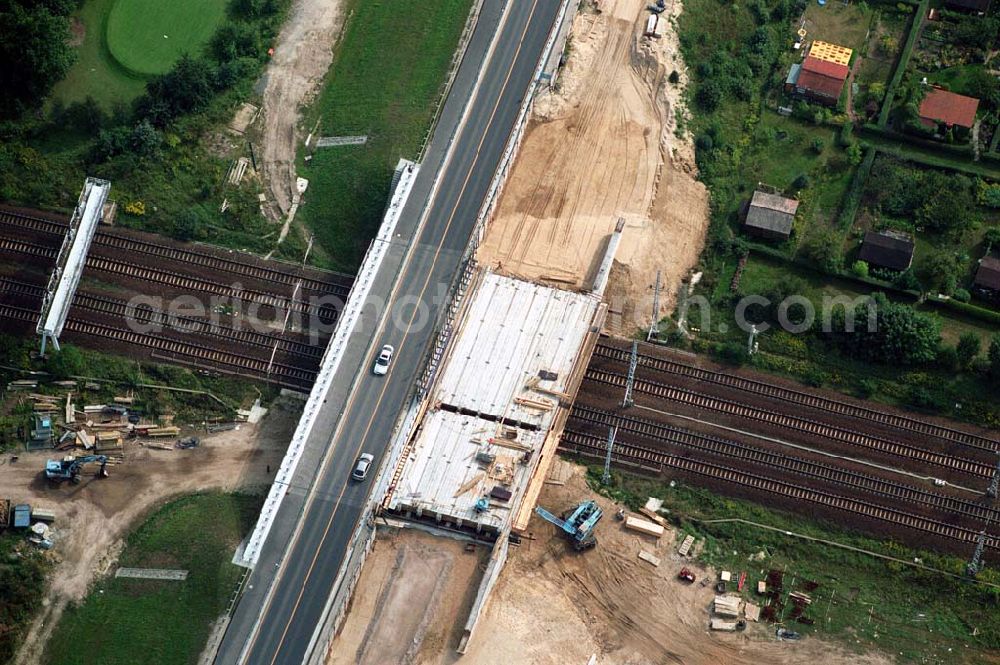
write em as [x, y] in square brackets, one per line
[362, 465]
[384, 358]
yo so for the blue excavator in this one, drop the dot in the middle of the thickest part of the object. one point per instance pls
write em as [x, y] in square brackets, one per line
[69, 468]
[578, 524]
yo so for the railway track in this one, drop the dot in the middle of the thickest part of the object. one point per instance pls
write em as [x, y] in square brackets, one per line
[149, 316]
[596, 447]
[340, 287]
[852, 437]
[285, 375]
[176, 280]
[705, 444]
[799, 397]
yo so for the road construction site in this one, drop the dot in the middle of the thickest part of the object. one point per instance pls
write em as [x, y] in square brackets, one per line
[476, 465]
[92, 516]
[551, 604]
[601, 146]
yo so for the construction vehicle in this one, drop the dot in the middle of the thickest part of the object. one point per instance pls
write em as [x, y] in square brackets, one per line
[69, 468]
[578, 523]
[686, 576]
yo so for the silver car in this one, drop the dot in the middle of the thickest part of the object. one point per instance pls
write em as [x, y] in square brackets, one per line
[384, 358]
[362, 465]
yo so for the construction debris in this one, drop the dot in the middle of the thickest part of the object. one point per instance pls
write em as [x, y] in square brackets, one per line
[727, 606]
[751, 611]
[723, 625]
[644, 526]
[152, 573]
[686, 546]
[653, 516]
[651, 558]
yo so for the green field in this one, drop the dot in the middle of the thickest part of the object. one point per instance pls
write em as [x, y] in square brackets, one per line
[148, 36]
[387, 93]
[125, 621]
[96, 73]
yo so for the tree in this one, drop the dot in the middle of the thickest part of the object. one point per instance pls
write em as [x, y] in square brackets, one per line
[233, 40]
[967, 348]
[938, 271]
[823, 248]
[709, 95]
[255, 8]
[900, 335]
[952, 207]
[994, 356]
[34, 50]
[674, 77]
[992, 237]
[184, 89]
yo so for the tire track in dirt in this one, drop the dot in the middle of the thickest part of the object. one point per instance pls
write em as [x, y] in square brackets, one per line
[302, 56]
[600, 147]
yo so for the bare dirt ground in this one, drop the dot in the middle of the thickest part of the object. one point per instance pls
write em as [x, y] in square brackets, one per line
[411, 602]
[94, 516]
[553, 605]
[599, 147]
[301, 58]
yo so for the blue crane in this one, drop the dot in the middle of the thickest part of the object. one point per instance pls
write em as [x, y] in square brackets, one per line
[577, 523]
[69, 468]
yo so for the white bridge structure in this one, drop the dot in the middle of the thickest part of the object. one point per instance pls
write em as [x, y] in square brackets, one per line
[71, 259]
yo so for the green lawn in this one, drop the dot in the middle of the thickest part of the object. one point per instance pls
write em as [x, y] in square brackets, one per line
[838, 23]
[126, 621]
[386, 79]
[148, 36]
[96, 73]
[914, 616]
[957, 79]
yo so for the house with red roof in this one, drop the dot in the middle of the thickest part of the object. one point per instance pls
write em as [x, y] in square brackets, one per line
[818, 80]
[941, 107]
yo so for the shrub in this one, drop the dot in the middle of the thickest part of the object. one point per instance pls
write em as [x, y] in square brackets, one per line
[709, 95]
[968, 348]
[900, 336]
[860, 268]
[818, 145]
[674, 77]
[823, 249]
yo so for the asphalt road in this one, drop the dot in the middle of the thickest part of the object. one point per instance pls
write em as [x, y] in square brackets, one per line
[303, 566]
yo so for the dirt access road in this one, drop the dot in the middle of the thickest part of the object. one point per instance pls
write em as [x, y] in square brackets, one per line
[93, 517]
[301, 59]
[599, 147]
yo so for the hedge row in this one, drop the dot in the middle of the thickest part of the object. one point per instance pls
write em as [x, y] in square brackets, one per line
[988, 316]
[904, 59]
[988, 166]
[849, 208]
